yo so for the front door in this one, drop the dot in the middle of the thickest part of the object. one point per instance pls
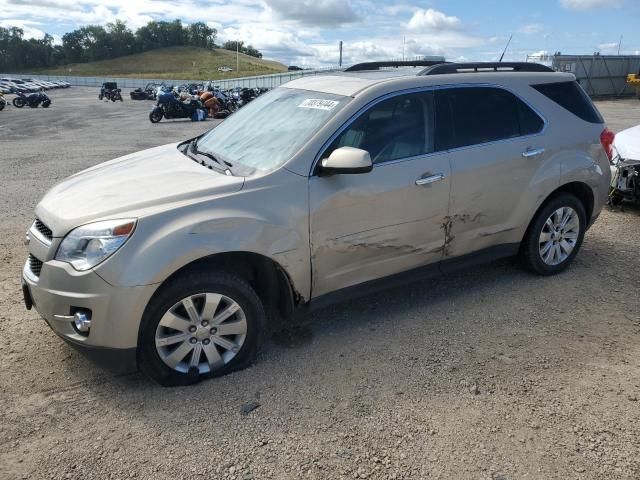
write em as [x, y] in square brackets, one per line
[371, 225]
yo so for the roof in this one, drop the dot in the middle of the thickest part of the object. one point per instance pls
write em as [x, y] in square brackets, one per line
[352, 83]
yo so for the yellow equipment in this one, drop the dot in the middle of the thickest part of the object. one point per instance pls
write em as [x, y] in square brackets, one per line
[633, 79]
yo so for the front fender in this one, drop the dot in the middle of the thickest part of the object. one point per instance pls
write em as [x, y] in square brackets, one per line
[252, 220]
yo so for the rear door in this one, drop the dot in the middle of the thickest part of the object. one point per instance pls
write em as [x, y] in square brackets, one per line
[496, 146]
[371, 225]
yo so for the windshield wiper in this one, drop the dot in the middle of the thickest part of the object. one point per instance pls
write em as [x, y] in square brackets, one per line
[226, 166]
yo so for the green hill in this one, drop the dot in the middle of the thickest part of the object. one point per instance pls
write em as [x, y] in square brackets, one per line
[184, 63]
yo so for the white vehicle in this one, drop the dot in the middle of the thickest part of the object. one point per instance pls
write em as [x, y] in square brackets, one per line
[625, 167]
[225, 69]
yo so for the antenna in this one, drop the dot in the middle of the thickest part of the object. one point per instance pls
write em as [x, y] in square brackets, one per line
[505, 48]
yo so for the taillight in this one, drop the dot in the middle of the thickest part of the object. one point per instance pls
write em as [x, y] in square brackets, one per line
[606, 139]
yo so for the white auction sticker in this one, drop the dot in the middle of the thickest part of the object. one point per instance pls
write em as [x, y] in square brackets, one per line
[318, 104]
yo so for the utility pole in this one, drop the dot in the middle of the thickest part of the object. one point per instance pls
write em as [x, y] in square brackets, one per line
[619, 44]
[403, 42]
[340, 61]
[237, 55]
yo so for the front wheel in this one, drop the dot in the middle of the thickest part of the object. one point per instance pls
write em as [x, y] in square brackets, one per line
[18, 102]
[100, 97]
[46, 104]
[156, 115]
[555, 235]
[200, 325]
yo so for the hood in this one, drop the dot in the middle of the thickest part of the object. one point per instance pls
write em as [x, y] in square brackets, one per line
[627, 143]
[127, 185]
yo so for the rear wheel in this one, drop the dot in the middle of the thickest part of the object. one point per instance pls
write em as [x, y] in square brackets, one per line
[200, 325]
[555, 235]
[18, 102]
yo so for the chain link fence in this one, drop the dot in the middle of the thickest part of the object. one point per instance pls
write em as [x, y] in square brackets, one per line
[268, 81]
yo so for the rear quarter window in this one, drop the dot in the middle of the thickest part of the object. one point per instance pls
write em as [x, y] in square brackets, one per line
[571, 97]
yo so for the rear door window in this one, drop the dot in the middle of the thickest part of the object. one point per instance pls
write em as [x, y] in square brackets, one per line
[571, 97]
[475, 115]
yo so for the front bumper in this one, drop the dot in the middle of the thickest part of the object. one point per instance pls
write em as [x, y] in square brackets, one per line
[58, 291]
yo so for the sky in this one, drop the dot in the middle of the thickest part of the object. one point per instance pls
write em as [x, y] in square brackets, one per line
[307, 32]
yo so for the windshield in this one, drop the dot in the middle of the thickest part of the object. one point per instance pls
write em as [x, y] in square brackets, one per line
[269, 130]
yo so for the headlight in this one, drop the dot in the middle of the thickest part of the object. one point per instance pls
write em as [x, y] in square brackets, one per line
[88, 245]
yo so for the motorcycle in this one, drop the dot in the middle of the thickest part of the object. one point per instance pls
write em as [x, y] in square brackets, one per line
[110, 91]
[3, 102]
[32, 100]
[114, 95]
[169, 107]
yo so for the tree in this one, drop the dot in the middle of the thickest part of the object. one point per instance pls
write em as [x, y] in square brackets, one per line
[95, 42]
[248, 50]
[201, 35]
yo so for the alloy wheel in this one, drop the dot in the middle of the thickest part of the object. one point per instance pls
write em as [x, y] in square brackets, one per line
[559, 236]
[205, 331]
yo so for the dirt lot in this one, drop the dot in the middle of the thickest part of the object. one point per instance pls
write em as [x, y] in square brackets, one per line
[490, 374]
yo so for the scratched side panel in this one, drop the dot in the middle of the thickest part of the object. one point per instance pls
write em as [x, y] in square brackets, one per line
[369, 226]
[495, 191]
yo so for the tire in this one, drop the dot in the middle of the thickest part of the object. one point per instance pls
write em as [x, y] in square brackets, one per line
[18, 102]
[100, 97]
[46, 104]
[155, 116]
[548, 254]
[167, 305]
[2, 104]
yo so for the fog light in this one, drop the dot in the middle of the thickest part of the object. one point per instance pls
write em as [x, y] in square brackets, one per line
[82, 321]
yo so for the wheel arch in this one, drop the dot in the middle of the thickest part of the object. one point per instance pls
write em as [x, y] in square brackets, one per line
[580, 190]
[268, 278]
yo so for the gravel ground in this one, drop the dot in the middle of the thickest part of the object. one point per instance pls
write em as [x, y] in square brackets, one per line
[494, 374]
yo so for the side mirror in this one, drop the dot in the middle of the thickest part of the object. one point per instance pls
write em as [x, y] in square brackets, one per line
[346, 160]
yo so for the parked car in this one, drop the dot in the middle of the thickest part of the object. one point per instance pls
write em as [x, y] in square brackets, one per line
[14, 87]
[225, 69]
[178, 259]
[30, 87]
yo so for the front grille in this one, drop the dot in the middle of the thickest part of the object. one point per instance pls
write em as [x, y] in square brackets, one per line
[43, 229]
[35, 265]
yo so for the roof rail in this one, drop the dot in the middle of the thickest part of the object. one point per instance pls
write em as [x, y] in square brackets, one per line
[444, 68]
[358, 67]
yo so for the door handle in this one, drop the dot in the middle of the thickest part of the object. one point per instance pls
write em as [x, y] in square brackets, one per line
[430, 179]
[532, 152]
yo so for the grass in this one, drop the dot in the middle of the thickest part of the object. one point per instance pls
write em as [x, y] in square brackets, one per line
[183, 63]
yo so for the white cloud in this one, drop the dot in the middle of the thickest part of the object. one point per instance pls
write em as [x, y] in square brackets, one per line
[590, 4]
[608, 47]
[431, 19]
[530, 28]
[315, 12]
[27, 26]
